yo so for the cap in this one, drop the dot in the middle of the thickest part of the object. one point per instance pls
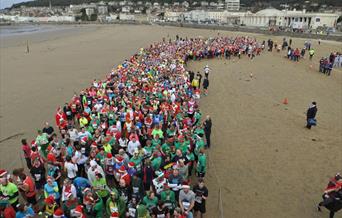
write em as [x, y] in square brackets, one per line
[131, 164]
[49, 200]
[122, 169]
[185, 185]
[114, 215]
[109, 155]
[79, 209]
[3, 172]
[58, 213]
[119, 159]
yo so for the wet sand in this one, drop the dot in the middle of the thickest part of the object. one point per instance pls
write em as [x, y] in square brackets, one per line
[266, 162]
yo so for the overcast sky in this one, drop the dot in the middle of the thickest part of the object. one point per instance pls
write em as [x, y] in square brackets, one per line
[9, 3]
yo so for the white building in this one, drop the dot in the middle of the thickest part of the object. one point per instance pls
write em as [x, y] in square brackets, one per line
[172, 16]
[89, 11]
[265, 18]
[128, 17]
[232, 5]
[102, 9]
[289, 19]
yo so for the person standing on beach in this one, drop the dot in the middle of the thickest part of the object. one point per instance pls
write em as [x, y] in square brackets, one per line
[207, 129]
[206, 71]
[27, 153]
[205, 85]
[310, 115]
[201, 192]
[311, 53]
[199, 77]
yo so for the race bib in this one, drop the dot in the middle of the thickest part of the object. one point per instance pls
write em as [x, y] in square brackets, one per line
[135, 190]
[160, 215]
[186, 205]
[131, 212]
[198, 199]
[37, 177]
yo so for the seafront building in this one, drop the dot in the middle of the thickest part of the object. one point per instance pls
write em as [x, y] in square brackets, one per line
[270, 17]
[289, 19]
[232, 5]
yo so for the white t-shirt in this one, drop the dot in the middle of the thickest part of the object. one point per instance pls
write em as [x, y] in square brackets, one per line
[73, 134]
[71, 169]
[132, 146]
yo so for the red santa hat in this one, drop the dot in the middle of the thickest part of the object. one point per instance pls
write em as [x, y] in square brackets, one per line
[109, 155]
[114, 215]
[58, 213]
[49, 200]
[79, 209]
[185, 185]
[122, 169]
[131, 164]
[86, 190]
[3, 172]
[51, 157]
[119, 159]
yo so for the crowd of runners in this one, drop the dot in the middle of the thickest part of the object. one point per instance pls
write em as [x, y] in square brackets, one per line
[326, 64]
[131, 145]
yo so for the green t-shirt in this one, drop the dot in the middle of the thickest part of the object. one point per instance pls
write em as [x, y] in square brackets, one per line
[137, 161]
[156, 162]
[168, 197]
[42, 139]
[156, 142]
[101, 158]
[157, 132]
[202, 163]
[199, 145]
[150, 203]
[98, 208]
[166, 148]
[10, 191]
[142, 211]
[100, 185]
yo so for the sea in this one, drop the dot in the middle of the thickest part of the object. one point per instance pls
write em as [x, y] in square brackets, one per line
[23, 29]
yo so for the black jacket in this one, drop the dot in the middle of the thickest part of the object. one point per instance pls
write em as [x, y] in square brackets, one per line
[207, 126]
[311, 113]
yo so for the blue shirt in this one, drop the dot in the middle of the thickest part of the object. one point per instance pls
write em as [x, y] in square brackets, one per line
[80, 184]
[28, 212]
[50, 190]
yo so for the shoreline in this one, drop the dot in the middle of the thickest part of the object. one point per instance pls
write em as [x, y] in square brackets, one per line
[255, 30]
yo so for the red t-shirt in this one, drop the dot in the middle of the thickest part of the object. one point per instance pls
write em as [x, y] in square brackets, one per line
[9, 212]
[32, 189]
[27, 151]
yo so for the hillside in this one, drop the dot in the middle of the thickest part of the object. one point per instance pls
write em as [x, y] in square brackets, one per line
[247, 3]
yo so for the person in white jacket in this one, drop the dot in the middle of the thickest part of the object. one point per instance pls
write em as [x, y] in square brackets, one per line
[68, 188]
[93, 170]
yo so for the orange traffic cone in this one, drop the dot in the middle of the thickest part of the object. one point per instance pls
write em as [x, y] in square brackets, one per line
[286, 101]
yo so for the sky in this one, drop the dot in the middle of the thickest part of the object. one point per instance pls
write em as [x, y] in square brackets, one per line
[9, 3]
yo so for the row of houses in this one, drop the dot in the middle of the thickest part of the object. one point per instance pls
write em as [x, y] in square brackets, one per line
[265, 18]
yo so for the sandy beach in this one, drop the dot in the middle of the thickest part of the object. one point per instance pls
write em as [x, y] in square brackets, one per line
[262, 158]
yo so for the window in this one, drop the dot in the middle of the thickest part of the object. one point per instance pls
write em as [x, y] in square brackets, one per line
[301, 19]
[318, 19]
[296, 20]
